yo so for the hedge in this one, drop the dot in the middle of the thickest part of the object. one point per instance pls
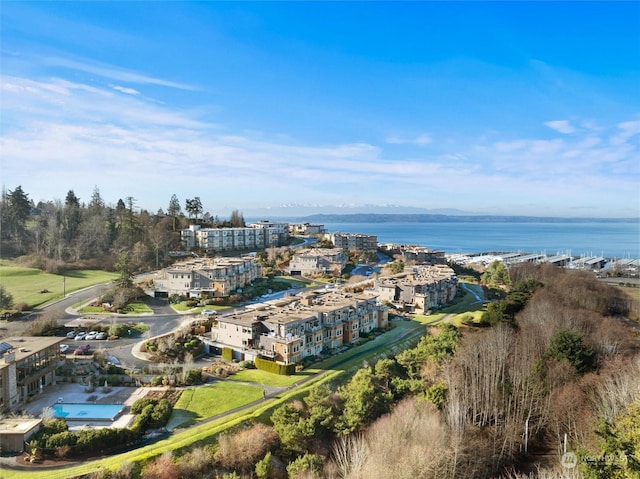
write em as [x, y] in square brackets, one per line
[276, 368]
[227, 354]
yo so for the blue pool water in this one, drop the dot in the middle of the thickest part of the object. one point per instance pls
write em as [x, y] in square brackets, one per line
[73, 411]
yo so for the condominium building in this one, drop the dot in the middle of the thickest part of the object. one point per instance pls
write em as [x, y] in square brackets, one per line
[317, 261]
[414, 253]
[293, 328]
[353, 241]
[419, 288]
[255, 236]
[307, 229]
[27, 367]
[213, 277]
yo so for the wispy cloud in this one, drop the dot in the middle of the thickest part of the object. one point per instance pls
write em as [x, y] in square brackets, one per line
[420, 140]
[122, 89]
[97, 136]
[112, 72]
[562, 126]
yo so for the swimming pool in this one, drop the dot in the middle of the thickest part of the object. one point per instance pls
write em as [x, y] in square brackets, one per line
[87, 412]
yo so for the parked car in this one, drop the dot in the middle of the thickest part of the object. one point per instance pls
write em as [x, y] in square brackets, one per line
[64, 348]
[91, 335]
[101, 335]
[208, 312]
[81, 335]
[84, 349]
[71, 334]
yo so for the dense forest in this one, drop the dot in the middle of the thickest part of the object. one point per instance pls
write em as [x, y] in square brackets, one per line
[552, 391]
[83, 234]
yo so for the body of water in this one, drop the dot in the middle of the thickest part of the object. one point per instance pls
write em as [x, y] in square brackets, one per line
[611, 240]
[77, 411]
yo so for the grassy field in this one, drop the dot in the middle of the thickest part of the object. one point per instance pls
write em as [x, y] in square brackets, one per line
[265, 378]
[203, 402]
[27, 285]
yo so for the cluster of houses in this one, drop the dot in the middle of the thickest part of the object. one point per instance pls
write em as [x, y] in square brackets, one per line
[290, 329]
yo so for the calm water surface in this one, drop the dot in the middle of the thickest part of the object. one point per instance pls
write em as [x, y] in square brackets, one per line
[611, 240]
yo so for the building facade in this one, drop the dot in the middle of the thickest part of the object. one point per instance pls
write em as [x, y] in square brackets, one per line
[419, 288]
[255, 236]
[211, 277]
[318, 261]
[307, 229]
[291, 329]
[415, 254]
[27, 367]
[353, 241]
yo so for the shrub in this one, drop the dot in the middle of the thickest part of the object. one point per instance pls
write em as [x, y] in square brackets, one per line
[276, 368]
[247, 364]
[227, 354]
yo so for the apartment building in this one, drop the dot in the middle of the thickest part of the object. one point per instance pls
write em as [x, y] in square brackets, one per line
[419, 288]
[255, 236]
[213, 277]
[307, 229]
[414, 254]
[353, 241]
[291, 329]
[318, 261]
[27, 367]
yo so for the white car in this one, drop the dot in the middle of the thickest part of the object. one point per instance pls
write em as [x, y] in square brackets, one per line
[91, 335]
[208, 312]
[71, 334]
[81, 335]
[64, 348]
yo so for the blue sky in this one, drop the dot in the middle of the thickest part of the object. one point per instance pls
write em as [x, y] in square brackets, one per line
[496, 107]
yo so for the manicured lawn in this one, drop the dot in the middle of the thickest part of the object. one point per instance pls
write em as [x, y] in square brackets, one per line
[26, 284]
[265, 378]
[133, 308]
[202, 402]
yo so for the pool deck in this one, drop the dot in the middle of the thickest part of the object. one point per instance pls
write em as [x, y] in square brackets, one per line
[75, 393]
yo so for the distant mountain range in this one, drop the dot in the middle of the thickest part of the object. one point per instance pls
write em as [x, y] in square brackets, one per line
[295, 210]
[438, 218]
[295, 213]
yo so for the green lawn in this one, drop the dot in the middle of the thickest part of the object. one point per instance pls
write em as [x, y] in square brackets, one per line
[26, 284]
[132, 308]
[265, 378]
[202, 402]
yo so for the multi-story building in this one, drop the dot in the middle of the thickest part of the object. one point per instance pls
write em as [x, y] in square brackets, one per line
[293, 328]
[27, 367]
[316, 261]
[419, 288]
[307, 229]
[353, 241]
[255, 236]
[213, 277]
[415, 254]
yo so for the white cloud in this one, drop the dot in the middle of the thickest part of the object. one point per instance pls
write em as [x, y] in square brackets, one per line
[112, 72]
[561, 126]
[127, 145]
[420, 140]
[626, 130]
[122, 89]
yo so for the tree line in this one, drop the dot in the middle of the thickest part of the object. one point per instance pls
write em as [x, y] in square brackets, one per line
[69, 233]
